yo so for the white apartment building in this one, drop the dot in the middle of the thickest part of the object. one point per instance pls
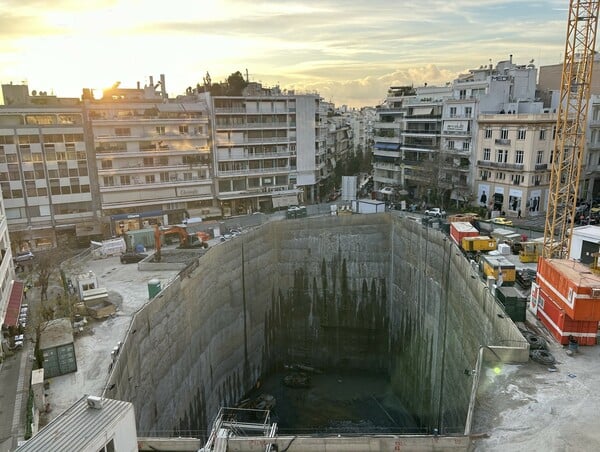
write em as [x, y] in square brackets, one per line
[407, 140]
[514, 153]
[590, 174]
[7, 269]
[152, 156]
[269, 149]
[45, 174]
[507, 88]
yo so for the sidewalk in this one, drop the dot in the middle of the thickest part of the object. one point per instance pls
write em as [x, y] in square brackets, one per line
[15, 374]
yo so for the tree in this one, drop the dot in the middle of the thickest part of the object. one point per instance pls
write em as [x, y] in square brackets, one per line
[236, 83]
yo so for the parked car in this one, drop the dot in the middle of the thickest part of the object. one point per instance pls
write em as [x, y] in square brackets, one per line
[387, 191]
[502, 221]
[23, 256]
[435, 212]
[132, 257]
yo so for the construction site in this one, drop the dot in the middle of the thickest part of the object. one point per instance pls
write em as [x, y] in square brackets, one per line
[370, 331]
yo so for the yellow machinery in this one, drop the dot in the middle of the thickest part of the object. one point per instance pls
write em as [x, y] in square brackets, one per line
[569, 143]
[530, 251]
[481, 243]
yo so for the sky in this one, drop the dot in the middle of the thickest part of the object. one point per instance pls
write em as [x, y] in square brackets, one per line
[349, 51]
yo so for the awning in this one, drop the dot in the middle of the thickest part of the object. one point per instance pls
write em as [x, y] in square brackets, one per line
[14, 304]
[387, 146]
[129, 216]
[422, 111]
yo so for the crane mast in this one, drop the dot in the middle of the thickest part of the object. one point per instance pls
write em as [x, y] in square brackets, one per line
[567, 157]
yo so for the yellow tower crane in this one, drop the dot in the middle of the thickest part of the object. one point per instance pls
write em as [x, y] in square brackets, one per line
[565, 168]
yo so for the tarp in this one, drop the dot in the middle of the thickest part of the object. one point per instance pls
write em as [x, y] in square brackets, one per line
[422, 111]
[14, 304]
[387, 146]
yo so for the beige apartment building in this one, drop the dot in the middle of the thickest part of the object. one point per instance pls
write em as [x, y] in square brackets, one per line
[153, 157]
[514, 153]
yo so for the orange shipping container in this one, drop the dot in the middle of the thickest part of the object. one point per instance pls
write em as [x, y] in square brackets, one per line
[460, 230]
[572, 286]
[561, 326]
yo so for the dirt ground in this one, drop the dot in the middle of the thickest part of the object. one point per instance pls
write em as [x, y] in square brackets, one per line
[532, 407]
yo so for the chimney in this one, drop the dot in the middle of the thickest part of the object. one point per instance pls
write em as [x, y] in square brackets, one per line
[138, 85]
[163, 89]
[510, 58]
[152, 81]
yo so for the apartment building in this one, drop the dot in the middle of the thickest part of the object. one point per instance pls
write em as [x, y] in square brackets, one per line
[153, 156]
[45, 174]
[269, 149]
[7, 269]
[407, 139]
[589, 185]
[514, 153]
[506, 87]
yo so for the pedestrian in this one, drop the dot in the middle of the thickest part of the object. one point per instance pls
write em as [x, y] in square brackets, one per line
[519, 213]
[25, 292]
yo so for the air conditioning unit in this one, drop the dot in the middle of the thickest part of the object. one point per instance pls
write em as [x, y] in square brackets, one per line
[596, 292]
[94, 402]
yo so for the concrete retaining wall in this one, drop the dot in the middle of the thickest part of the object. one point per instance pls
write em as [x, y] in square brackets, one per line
[362, 291]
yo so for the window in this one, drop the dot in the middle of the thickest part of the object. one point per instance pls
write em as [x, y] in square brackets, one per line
[108, 181]
[160, 130]
[465, 146]
[462, 94]
[452, 112]
[501, 155]
[148, 161]
[468, 112]
[107, 164]
[521, 133]
[504, 134]
[119, 131]
[542, 134]
[487, 152]
[500, 176]
[519, 157]
[450, 144]
[184, 130]
[540, 157]
[125, 180]
[516, 179]
[554, 133]
[78, 137]
[150, 178]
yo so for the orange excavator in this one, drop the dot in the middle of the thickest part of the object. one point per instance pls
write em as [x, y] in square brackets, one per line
[187, 239]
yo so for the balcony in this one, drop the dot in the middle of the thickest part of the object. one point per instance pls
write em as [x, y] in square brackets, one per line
[137, 183]
[229, 110]
[244, 172]
[541, 166]
[501, 165]
[386, 166]
[502, 141]
[256, 125]
[256, 156]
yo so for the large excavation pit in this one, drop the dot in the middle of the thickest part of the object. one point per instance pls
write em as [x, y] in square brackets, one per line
[389, 310]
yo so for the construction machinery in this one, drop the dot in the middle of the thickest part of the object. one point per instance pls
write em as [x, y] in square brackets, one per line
[567, 157]
[564, 300]
[187, 239]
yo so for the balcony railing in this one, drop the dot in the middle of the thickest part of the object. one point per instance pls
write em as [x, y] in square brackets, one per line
[541, 166]
[502, 165]
[242, 172]
[502, 141]
[256, 125]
